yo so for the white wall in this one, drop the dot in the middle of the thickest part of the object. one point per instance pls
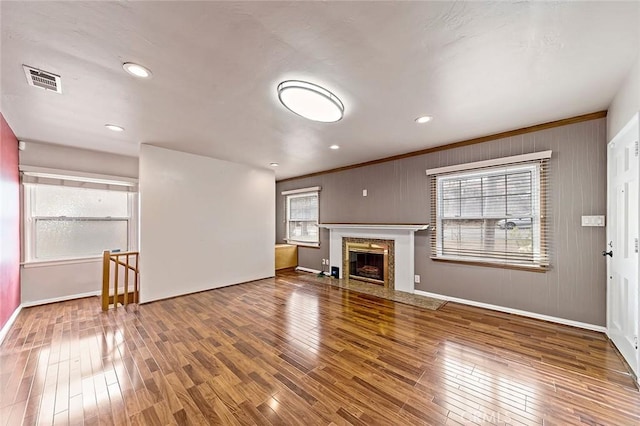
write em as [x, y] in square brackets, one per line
[58, 281]
[626, 102]
[204, 223]
[65, 280]
[47, 283]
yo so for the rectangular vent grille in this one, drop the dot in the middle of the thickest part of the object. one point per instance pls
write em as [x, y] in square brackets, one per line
[43, 79]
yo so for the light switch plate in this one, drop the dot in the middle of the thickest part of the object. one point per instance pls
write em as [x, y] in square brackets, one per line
[592, 220]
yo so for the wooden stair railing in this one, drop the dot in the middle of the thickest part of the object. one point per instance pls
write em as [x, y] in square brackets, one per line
[129, 261]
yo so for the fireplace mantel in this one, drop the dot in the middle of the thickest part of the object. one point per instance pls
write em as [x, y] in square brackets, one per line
[401, 233]
[399, 226]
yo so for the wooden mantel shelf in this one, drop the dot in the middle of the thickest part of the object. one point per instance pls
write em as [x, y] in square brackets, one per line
[397, 226]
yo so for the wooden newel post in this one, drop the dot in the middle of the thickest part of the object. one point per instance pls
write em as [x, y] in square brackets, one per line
[105, 279]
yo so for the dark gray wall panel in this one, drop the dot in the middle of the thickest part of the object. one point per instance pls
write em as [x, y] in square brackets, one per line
[398, 192]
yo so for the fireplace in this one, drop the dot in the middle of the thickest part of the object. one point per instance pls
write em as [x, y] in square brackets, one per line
[399, 239]
[368, 260]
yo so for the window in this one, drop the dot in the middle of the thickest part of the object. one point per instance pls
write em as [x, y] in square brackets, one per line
[302, 216]
[71, 222]
[491, 213]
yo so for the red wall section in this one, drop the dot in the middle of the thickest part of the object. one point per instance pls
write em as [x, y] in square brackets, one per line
[9, 223]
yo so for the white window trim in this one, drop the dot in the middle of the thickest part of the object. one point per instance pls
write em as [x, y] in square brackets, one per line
[301, 190]
[46, 172]
[296, 193]
[29, 235]
[540, 259]
[500, 170]
[72, 261]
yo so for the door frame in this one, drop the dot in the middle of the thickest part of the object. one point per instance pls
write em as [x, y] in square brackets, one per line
[634, 121]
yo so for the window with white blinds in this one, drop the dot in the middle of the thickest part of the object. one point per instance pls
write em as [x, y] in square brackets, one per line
[493, 213]
[302, 216]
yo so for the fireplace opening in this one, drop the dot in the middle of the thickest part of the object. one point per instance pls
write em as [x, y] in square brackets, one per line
[368, 259]
[367, 266]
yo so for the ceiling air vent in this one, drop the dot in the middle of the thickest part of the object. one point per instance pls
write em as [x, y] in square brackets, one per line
[42, 79]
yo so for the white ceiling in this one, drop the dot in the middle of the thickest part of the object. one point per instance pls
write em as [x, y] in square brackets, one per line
[479, 68]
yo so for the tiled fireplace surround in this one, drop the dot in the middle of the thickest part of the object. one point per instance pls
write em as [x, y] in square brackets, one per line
[402, 236]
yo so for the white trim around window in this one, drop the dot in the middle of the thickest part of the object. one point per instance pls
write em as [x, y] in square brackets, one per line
[301, 190]
[302, 212]
[31, 220]
[492, 212]
[34, 173]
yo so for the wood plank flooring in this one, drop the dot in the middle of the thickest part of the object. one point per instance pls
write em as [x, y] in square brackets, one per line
[290, 351]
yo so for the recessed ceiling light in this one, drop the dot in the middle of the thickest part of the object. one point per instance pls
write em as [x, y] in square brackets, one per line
[136, 70]
[423, 119]
[114, 127]
[310, 101]
[335, 147]
[274, 164]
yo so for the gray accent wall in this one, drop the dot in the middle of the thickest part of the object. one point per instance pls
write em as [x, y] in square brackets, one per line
[398, 192]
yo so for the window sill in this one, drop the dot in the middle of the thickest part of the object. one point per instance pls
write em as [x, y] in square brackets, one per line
[529, 268]
[45, 263]
[303, 244]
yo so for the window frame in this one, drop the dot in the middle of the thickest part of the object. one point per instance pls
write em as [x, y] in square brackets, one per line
[299, 193]
[535, 162]
[30, 223]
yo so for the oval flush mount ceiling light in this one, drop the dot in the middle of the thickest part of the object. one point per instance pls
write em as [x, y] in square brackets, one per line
[114, 127]
[136, 70]
[334, 147]
[423, 119]
[274, 164]
[310, 101]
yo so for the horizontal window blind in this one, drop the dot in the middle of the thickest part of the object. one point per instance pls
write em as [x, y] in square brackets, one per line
[304, 208]
[496, 214]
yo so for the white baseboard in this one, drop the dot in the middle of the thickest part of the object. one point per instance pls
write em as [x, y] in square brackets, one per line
[5, 329]
[528, 314]
[303, 269]
[60, 299]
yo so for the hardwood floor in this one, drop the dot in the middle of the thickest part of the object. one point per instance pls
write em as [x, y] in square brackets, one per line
[288, 351]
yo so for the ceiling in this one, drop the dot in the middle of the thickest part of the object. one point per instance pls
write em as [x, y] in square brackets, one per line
[478, 68]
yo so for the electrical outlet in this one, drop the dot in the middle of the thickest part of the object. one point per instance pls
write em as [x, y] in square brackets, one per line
[323, 262]
[416, 279]
[365, 192]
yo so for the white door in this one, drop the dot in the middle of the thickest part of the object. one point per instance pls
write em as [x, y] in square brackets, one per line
[622, 242]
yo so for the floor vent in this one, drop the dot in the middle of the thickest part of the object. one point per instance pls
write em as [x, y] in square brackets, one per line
[43, 79]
